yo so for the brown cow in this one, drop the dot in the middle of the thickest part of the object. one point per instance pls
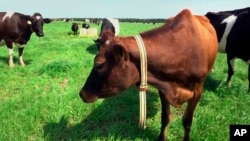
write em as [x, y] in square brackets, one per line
[180, 55]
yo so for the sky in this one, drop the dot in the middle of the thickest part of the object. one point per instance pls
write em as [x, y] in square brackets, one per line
[144, 9]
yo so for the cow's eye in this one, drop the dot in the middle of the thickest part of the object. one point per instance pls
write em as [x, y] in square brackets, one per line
[99, 66]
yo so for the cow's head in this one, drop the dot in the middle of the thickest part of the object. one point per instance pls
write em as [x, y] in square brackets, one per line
[112, 73]
[106, 35]
[36, 21]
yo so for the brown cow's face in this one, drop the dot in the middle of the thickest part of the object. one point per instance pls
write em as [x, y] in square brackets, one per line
[111, 73]
[37, 24]
[106, 35]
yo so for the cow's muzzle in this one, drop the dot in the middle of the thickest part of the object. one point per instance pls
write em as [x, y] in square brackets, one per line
[87, 98]
[40, 34]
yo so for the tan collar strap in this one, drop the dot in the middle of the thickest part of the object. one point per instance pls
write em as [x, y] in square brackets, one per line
[143, 85]
[143, 58]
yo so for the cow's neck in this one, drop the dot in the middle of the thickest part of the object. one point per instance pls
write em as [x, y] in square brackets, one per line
[133, 50]
[134, 54]
[25, 37]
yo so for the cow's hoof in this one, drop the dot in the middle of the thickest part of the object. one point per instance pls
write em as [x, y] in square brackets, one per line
[228, 83]
[11, 65]
[23, 65]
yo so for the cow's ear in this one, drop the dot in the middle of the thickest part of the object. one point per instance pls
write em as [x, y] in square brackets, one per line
[120, 52]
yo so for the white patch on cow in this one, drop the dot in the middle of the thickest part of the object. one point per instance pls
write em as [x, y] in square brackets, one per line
[2, 43]
[7, 15]
[38, 17]
[11, 51]
[20, 46]
[229, 24]
[29, 22]
[107, 42]
[21, 61]
[11, 54]
[116, 25]
[232, 63]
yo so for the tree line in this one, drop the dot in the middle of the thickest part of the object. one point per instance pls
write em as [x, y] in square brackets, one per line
[132, 20]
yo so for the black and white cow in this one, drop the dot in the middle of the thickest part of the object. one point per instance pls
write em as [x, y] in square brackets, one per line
[17, 28]
[108, 24]
[85, 25]
[233, 34]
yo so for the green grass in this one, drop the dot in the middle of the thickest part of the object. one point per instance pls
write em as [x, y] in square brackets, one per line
[41, 101]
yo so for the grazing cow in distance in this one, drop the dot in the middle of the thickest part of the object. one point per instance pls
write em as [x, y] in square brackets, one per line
[233, 34]
[108, 24]
[180, 55]
[47, 20]
[17, 28]
[96, 21]
[74, 28]
[85, 25]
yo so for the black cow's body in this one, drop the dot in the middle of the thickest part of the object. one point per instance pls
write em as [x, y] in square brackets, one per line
[17, 28]
[74, 28]
[233, 29]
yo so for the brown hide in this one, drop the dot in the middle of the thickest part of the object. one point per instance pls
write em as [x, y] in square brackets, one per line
[180, 55]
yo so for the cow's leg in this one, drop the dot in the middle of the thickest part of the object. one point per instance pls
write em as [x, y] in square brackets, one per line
[165, 116]
[187, 118]
[230, 63]
[249, 78]
[11, 53]
[20, 52]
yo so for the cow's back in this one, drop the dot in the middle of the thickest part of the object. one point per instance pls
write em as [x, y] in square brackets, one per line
[238, 38]
[188, 44]
[10, 23]
[2, 28]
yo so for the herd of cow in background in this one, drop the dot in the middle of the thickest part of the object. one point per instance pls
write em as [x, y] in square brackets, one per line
[75, 27]
[232, 36]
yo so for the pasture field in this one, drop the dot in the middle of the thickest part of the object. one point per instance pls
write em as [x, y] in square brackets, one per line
[41, 101]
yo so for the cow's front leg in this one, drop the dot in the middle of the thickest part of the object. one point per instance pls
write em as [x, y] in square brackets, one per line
[187, 118]
[230, 63]
[20, 52]
[165, 116]
[11, 54]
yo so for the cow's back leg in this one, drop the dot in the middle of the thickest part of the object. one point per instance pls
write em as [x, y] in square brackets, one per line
[165, 116]
[249, 78]
[187, 118]
[20, 53]
[230, 64]
[11, 52]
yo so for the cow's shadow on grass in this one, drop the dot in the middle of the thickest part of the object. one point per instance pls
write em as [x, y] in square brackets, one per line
[5, 60]
[211, 83]
[116, 118]
[92, 48]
